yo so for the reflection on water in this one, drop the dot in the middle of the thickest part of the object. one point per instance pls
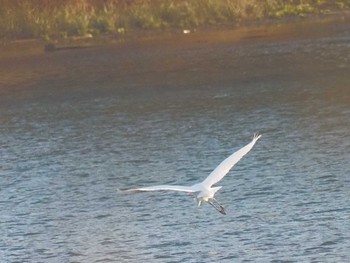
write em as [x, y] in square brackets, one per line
[83, 124]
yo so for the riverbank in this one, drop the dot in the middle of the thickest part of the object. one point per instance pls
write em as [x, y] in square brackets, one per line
[310, 26]
[60, 20]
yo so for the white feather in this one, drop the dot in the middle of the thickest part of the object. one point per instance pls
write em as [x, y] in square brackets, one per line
[178, 188]
[226, 165]
[204, 192]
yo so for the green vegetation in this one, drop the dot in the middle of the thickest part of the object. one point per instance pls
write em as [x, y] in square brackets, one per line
[57, 19]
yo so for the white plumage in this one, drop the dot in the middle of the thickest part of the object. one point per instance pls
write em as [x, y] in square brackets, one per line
[204, 192]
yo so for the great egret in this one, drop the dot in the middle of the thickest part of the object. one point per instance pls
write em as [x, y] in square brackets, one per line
[204, 192]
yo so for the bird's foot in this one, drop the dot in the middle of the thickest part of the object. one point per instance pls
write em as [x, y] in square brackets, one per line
[217, 206]
[222, 210]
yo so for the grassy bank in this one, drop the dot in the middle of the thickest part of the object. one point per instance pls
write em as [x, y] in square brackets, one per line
[57, 19]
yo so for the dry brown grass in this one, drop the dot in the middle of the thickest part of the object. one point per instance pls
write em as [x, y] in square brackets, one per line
[52, 19]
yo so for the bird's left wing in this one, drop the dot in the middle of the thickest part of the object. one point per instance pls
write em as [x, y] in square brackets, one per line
[178, 188]
[226, 165]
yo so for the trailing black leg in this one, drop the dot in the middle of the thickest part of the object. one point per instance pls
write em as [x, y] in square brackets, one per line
[217, 206]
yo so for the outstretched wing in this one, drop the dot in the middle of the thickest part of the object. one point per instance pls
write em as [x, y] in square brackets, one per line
[178, 188]
[226, 165]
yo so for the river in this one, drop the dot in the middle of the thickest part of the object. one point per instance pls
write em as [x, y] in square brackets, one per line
[79, 125]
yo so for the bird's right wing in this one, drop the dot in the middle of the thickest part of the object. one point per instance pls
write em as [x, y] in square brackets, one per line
[177, 188]
[226, 165]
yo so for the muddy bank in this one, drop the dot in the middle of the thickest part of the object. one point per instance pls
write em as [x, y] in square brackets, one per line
[249, 31]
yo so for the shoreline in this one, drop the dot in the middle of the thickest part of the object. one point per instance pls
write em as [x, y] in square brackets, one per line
[286, 28]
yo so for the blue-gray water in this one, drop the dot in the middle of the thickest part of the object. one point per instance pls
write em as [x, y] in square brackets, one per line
[78, 125]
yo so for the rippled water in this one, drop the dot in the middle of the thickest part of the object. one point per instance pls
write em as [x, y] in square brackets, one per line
[76, 126]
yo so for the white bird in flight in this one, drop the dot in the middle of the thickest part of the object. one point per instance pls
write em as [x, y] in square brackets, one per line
[204, 191]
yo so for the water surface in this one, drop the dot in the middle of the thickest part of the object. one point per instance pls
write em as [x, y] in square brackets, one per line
[78, 125]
